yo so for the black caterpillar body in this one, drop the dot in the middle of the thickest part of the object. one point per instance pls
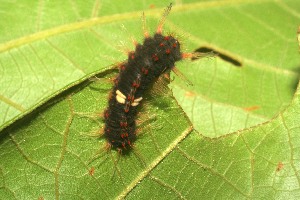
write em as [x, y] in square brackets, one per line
[151, 59]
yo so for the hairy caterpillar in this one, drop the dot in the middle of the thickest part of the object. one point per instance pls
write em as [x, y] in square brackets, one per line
[154, 57]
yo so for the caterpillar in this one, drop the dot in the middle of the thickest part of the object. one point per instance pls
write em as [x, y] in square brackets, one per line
[154, 57]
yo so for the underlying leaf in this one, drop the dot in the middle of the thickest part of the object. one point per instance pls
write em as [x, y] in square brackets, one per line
[49, 153]
[258, 163]
[52, 155]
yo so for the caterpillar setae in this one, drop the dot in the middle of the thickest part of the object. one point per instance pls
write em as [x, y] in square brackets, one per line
[156, 56]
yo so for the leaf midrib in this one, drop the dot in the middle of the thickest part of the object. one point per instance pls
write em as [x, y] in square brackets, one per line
[154, 163]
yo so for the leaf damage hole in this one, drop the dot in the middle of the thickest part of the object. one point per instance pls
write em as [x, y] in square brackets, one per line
[226, 58]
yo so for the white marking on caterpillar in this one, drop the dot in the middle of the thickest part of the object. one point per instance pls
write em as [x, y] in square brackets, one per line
[136, 101]
[119, 93]
[121, 98]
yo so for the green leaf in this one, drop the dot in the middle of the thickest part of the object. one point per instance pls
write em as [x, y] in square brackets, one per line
[225, 97]
[54, 148]
[51, 111]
